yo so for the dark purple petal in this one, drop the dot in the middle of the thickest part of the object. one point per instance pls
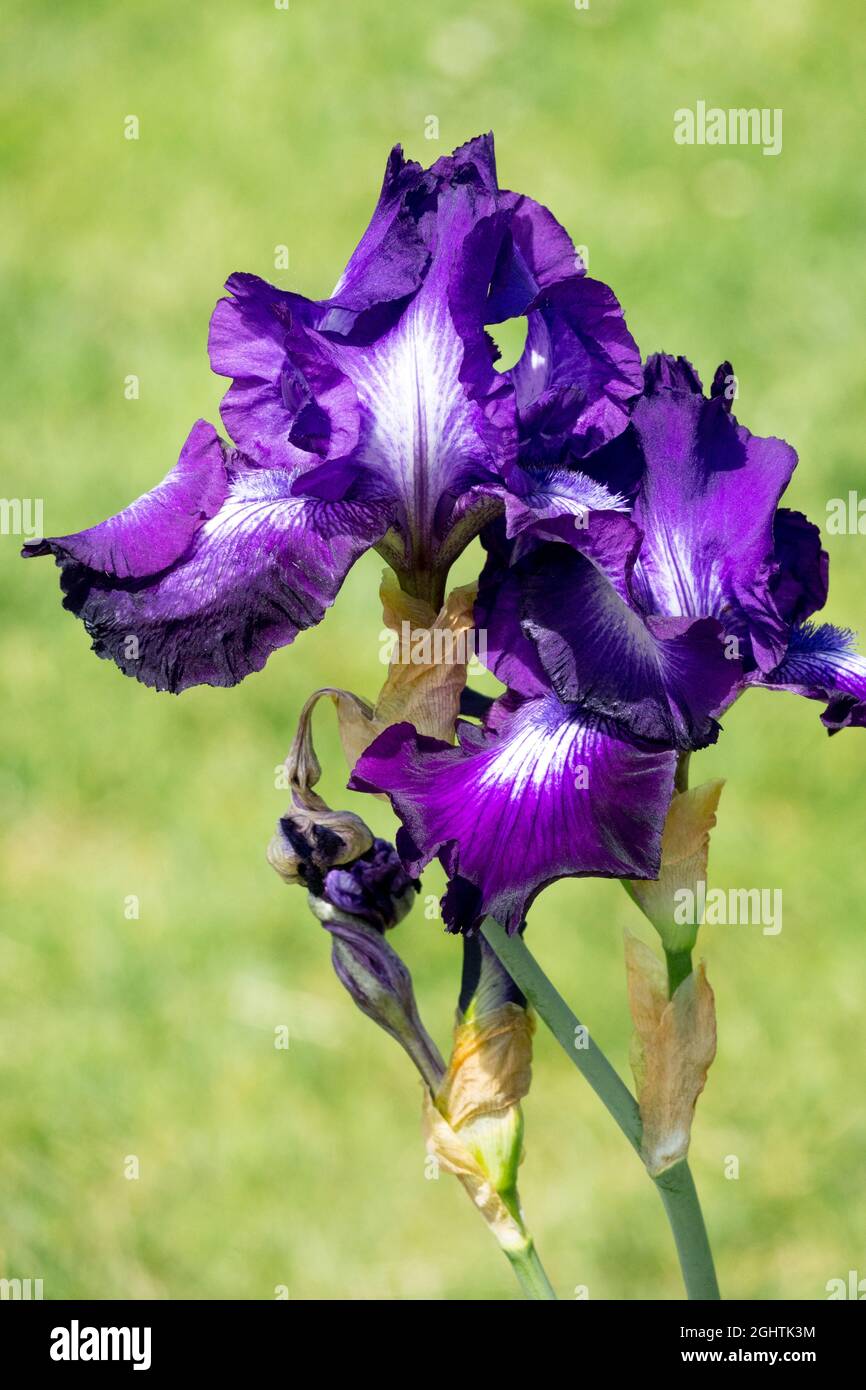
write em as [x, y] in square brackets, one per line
[152, 532]
[822, 664]
[662, 678]
[289, 404]
[800, 584]
[550, 794]
[607, 538]
[375, 887]
[578, 373]
[535, 252]
[435, 418]
[706, 504]
[205, 596]
[508, 652]
[389, 262]
[388, 390]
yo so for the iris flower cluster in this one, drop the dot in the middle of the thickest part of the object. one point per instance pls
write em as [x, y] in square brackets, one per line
[639, 575]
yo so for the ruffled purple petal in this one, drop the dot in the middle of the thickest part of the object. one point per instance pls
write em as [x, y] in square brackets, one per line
[200, 580]
[388, 388]
[289, 405]
[389, 262]
[706, 505]
[607, 538]
[578, 374]
[822, 664]
[801, 581]
[508, 652]
[405, 399]
[551, 793]
[154, 531]
[662, 678]
[535, 252]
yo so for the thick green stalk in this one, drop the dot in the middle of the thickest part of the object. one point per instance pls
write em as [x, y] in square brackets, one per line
[676, 1185]
[678, 1193]
[530, 1273]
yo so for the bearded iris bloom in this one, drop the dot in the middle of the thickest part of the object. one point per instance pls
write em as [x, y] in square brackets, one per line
[373, 418]
[640, 571]
[640, 575]
[621, 645]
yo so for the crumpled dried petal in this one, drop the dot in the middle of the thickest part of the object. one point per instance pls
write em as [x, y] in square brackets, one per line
[310, 839]
[673, 1046]
[426, 674]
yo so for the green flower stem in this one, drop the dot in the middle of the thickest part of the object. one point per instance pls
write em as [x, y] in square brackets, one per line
[676, 1186]
[530, 1272]
[679, 963]
[679, 1195]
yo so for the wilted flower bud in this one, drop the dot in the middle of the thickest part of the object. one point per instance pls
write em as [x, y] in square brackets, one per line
[311, 839]
[375, 888]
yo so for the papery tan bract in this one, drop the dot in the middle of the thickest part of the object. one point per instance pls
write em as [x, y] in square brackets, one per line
[685, 850]
[673, 1046]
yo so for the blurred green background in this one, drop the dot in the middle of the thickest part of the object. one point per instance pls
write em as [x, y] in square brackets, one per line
[155, 1037]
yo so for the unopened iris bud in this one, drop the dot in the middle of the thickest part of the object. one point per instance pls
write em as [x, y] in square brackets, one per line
[380, 985]
[357, 904]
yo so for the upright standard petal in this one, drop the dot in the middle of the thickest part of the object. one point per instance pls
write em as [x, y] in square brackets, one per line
[578, 374]
[802, 567]
[387, 390]
[200, 580]
[706, 505]
[397, 406]
[540, 793]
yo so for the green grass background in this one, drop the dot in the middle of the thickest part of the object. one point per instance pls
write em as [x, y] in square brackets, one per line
[155, 1037]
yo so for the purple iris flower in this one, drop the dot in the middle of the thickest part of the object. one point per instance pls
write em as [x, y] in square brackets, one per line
[373, 418]
[620, 640]
[720, 570]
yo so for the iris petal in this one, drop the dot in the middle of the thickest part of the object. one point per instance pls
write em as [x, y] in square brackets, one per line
[200, 580]
[822, 664]
[578, 374]
[706, 505]
[550, 793]
[661, 677]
